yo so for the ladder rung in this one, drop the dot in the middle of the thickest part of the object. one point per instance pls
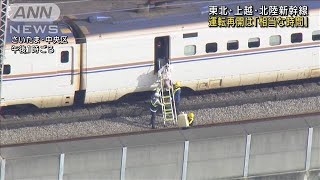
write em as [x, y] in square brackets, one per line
[166, 99]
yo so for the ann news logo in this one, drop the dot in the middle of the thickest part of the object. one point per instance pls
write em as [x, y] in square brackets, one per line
[32, 12]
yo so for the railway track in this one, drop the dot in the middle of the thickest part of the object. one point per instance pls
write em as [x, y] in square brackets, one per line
[309, 118]
[138, 106]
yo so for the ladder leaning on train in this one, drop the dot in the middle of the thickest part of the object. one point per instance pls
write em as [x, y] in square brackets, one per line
[167, 94]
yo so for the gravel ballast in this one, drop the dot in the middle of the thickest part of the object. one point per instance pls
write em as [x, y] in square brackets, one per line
[137, 124]
[138, 107]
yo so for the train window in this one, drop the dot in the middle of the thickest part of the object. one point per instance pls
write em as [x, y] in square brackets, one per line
[254, 42]
[233, 45]
[275, 40]
[64, 56]
[190, 35]
[296, 37]
[316, 35]
[6, 69]
[211, 47]
[190, 50]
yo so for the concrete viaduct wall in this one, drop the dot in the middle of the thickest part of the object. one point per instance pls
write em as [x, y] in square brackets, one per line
[286, 149]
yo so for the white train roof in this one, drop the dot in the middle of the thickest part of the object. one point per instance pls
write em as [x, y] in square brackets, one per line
[172, 16]
[160, 18]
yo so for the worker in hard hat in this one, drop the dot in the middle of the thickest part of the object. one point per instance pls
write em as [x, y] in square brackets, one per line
[177, 94]
[154, 106]
[191, 118]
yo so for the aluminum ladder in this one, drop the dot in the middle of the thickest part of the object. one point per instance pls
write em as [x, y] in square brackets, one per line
[167, 98]
[3, 26]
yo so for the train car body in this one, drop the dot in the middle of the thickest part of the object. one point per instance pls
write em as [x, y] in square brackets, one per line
[121, 58]
[42, 79]
[128, 58]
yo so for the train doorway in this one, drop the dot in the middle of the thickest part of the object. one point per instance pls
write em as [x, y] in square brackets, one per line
[161, 52]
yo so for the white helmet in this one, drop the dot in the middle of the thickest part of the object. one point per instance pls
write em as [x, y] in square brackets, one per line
[156, 95]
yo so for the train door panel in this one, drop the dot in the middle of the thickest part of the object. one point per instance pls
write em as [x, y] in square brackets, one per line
[315, 72]
[316, 57]
[161, 52]
[66, 66]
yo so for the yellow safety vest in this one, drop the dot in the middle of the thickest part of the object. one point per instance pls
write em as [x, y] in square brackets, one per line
[175, 90]
[154, 104]
[190, 120]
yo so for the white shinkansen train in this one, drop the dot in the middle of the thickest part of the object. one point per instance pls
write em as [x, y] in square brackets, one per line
[106, 60]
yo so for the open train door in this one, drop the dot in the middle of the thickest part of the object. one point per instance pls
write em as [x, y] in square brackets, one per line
[161, 52]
